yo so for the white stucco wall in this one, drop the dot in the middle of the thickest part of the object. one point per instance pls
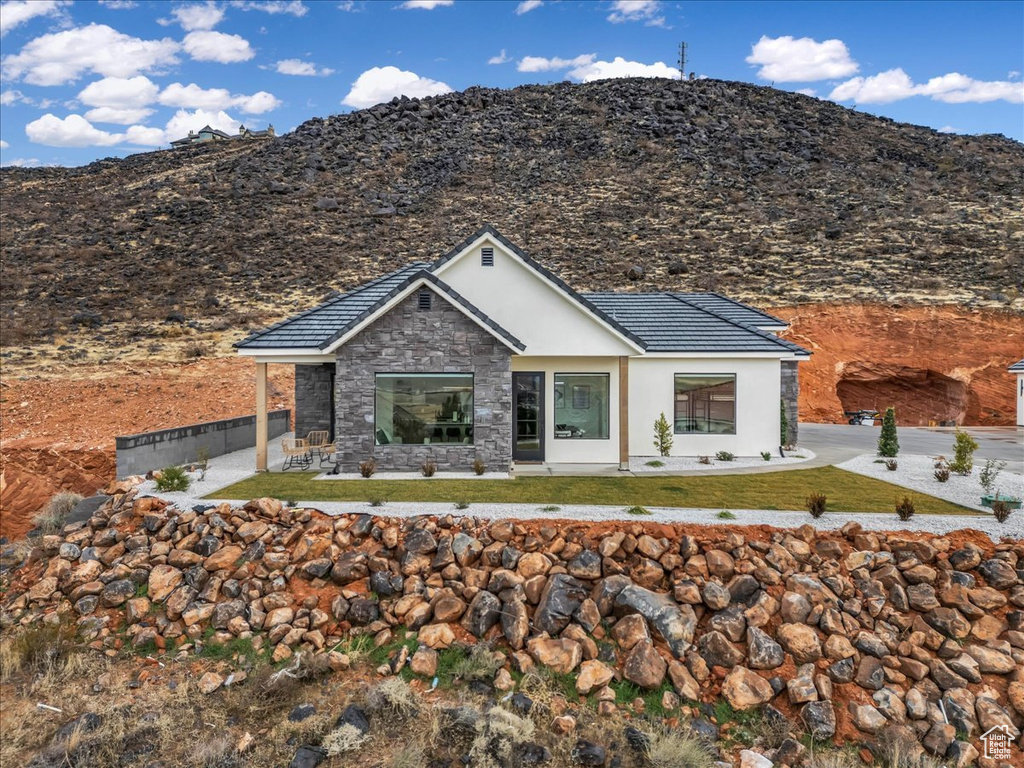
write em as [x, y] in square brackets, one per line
[1020, 399]
[570, 450]
[522, 302]
[652, 391]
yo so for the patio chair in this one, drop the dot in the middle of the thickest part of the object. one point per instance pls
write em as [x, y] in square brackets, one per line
[327, 453]
[317, 439]
[296, 453]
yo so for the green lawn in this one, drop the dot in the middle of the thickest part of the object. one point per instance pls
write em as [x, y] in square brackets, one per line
[847, 492]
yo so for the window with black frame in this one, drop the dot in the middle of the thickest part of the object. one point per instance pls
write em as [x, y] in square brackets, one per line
[420, 408]
[705, 403]
[581, 406]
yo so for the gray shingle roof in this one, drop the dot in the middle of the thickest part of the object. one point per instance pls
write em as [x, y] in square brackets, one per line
[1018, 366]
[658, 322]
[731, 309]
[317, 328]
[669, 323]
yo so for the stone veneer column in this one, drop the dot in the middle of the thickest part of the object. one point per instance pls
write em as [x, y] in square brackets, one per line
[412, 340]
[313, 385]
[790, 395]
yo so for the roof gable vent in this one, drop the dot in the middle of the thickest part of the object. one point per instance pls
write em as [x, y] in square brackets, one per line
[486, 257]
[423, 301]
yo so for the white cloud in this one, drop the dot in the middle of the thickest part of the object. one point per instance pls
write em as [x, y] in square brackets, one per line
[120, 92]
[118, 115]
[274, 7]
[619, 67]
[647, 11]
[953, 88]
[62, 57]
[426, 5]
[191, 96]
[541, 64]
[1013, 74]
[72, 131]
[119, 5]
[788, 59]
[384, 83]
[501, 58]
[528, 5]
[22, 162]
[948, 129]
[347, 5]
[217, 46]
[807, 91]
[145, 136]
[194, 17]
[14, 13]
[185, 121]
[11, 96]
[304, 68]
[4, 144]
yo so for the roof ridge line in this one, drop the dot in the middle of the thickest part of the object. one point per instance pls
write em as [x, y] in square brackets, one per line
[756, 331]
[738, 303]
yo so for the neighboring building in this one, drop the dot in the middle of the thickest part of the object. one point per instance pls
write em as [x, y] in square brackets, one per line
[206, 133]
[1018, 368]
[486, 354]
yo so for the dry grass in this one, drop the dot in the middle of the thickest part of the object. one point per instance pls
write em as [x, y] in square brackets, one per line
[51, 520]
[677, 749]
[345, 739]
[392, 701]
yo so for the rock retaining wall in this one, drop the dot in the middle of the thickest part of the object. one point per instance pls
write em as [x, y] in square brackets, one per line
[844, 633]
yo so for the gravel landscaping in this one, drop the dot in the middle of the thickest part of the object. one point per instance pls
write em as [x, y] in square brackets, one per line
[677, 464]
[917, 473]
[417, 476]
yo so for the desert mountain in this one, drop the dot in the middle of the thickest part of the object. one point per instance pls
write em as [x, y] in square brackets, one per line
[769, 196]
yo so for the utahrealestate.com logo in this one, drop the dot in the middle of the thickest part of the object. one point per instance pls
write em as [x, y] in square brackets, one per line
[997, 742]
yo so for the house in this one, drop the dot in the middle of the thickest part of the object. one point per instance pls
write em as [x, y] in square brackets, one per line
[1018, 368]
[486, 354]
[206, 133]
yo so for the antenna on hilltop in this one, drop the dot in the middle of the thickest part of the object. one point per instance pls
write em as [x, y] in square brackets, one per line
[682, 61]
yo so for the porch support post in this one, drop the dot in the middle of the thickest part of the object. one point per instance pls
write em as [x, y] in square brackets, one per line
[261, 417]
[624, 413]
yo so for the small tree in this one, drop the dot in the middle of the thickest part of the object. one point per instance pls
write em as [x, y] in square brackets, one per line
[988, 474]
[662, 435]
[963, 453]
[888, 442]
[783, 423]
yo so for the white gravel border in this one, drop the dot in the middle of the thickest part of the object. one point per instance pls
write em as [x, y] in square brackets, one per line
[936, 524]
[677, 464]
[417, 476]
[917, 473]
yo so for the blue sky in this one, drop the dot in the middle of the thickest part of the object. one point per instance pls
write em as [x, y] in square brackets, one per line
[86, 80]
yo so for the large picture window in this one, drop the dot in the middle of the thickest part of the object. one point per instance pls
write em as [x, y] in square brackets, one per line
[705, 404]
[420, 408]
[581, 406]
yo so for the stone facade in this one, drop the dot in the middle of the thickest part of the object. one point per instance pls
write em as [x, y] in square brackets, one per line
[790, 394]
[412, 340]
[313, 407]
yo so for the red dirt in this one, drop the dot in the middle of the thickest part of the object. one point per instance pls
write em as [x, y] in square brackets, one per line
[931, 363]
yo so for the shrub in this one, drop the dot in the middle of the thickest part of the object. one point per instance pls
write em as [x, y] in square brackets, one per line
[725, 456]
[905, 508]
[703, 459]
[1001, 510]
[52, 518]
[638, 510]
[367, 468]
[816, 504]
[654, 463]
[173, 479]
[725, 515]
[550, 508]
[964, 447]
[783, 422]
[203, 461]
[479, 664]
[766, 455]
[347, 738]
[662, 435]
[392, 700]
[479, 467]
[462, 505]
[428, 468]
[942, 473]
[676, 748]
[892, 465]
[940, 462]
[888, 442]
[377, 501]
[988, 474]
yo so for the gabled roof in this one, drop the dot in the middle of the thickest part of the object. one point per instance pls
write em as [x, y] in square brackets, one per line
[733, 310]
[318, 328]
[1017, 367]
[669, 323]
[563, 286]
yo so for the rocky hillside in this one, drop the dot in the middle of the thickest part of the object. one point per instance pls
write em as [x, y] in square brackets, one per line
[768, 196]
[754, 646]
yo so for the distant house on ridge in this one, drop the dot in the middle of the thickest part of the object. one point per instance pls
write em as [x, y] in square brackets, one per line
[206, 133]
